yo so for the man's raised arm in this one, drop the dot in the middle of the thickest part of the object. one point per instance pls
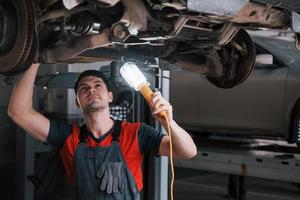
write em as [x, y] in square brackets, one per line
[20, 107]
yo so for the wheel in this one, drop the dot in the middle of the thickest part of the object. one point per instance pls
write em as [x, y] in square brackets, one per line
[18, 44]
[238, 58]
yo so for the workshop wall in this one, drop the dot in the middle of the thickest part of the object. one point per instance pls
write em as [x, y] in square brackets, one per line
[7, 127]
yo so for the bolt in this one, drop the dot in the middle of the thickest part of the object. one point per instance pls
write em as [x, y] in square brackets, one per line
[119, 32]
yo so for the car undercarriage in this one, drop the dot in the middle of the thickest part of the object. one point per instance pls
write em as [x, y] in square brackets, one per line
[206, 37]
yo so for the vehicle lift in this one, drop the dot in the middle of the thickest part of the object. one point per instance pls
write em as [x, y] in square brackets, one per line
[268, 159]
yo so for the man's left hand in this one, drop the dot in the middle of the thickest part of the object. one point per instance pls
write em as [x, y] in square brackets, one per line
[160, 104]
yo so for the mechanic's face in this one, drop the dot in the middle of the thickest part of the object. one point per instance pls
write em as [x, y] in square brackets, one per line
[92, 94]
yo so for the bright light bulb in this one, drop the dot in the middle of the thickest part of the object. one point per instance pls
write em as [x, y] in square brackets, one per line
[133, 76]
[136, 79]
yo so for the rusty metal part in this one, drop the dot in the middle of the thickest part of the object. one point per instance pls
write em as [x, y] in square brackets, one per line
[134, 17]
[206, 19]
[195, 23]
[261, 15]
[119, 32]
[63, 13]
[243, 12]
[198, 25]
[192, 66]
[228, 33]
[241, 52]
[17, 55]
[197, 28]
[75, 46]
[179, 25]
[181, 22]
[85, 59]
[191, 62]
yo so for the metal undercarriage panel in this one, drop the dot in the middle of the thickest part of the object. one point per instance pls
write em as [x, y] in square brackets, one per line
[285, 4]
[200, 36]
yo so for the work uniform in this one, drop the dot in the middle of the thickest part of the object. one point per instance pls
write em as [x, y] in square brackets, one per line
[108, 167]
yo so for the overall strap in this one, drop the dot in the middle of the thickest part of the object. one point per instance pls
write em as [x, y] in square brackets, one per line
[82, 134]
[117, 130]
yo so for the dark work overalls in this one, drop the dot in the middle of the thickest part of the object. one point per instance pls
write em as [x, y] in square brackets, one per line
[101, 173]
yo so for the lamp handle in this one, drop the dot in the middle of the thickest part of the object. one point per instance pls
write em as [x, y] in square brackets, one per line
[148, 93]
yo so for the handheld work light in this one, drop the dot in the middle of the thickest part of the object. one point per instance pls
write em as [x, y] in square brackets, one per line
[136, 79]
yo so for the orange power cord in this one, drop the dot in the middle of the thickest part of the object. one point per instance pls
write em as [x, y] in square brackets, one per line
[171, 160]
[147, 93]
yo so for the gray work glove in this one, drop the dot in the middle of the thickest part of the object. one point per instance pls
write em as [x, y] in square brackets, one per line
[112, 174]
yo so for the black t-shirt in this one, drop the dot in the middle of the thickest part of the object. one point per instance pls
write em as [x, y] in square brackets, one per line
[148, 137]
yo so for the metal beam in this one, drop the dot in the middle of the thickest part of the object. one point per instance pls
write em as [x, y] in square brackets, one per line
[282, 166]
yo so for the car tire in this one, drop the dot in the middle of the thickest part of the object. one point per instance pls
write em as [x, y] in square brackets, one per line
[18, 39]
[243, 65]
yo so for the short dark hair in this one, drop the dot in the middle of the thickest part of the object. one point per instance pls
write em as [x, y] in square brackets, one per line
[95, 73]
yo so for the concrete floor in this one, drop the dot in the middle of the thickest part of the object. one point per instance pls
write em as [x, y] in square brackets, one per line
[194, 185]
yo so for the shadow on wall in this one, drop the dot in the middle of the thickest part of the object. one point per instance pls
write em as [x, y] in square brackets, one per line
[7, 136]
[7, 133]
[7, 127]
[7, 146]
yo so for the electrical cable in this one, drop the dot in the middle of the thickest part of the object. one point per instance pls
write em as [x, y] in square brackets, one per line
[171, 159]
[135, 78]
[148, 93]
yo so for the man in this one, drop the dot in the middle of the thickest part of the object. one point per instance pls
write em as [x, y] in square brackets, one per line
[103, 157]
